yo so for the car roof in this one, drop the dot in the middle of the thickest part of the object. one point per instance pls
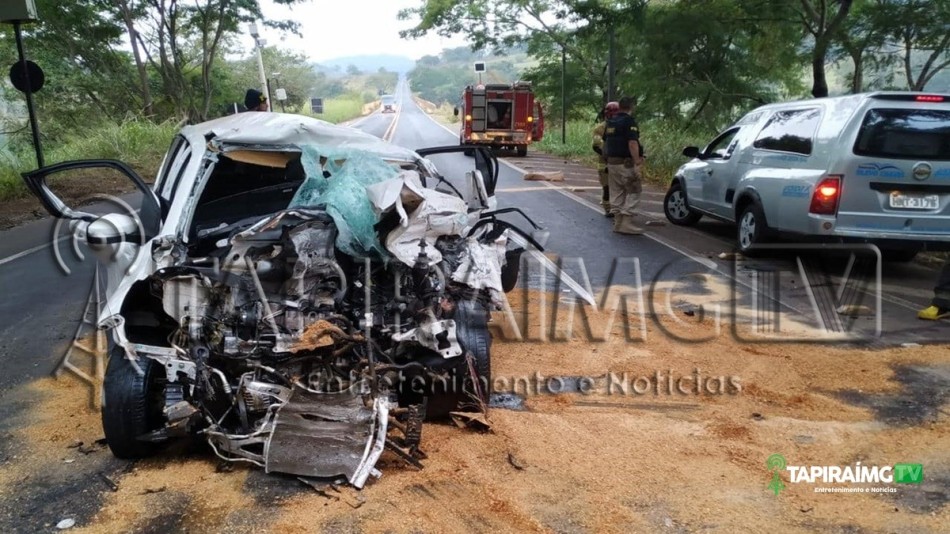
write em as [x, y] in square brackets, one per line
[857, 96]
[282, 129]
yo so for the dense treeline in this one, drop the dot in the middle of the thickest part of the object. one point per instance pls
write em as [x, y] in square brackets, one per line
[699, 62]
[441, 78]
[121, 74]
[109, 60]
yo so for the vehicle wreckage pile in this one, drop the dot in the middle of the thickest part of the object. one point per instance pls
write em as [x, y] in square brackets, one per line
[309, 340]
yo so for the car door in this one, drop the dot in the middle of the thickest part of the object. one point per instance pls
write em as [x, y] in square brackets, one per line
[116, 228]
[48, 183]
[707, 174]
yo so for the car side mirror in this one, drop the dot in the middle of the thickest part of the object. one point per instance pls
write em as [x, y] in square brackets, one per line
[456, 112]
[691, 152]
[112, 229]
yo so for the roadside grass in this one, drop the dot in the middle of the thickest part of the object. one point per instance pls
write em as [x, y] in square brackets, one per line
[343, 108]
[140, 143]
[663, 143]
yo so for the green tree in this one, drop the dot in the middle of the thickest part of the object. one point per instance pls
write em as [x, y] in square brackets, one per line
[89, 77]
[297, 77]
[822, 20]
[922, 29]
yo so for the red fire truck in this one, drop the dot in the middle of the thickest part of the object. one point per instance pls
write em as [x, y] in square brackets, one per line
[501, 116]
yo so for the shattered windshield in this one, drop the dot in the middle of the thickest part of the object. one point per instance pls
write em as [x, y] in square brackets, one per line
[337, 182]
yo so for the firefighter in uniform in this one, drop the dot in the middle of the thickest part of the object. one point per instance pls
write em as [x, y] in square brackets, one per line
[624, 163]
[598, 145]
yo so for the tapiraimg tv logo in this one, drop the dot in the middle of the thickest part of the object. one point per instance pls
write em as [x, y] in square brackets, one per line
[856, 478]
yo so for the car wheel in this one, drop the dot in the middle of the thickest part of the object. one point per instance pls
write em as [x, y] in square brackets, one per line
[522, 151]
[131, 406]
[752, 229]
[471, 328]
[676, 209]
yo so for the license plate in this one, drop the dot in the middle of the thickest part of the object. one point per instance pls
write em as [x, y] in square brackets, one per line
[914, 202]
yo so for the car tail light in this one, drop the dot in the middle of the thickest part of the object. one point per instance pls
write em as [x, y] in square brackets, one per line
[929, 98]
[824, 201]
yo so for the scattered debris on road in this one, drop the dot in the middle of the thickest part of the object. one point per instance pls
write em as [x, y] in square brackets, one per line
[66, 523]
[553, 176]
[109, 482]
[516, 461]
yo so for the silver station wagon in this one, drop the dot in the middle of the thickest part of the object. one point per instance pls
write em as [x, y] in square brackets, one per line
[872, 168]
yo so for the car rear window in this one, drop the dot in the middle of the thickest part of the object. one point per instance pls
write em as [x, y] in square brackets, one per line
[790, 131]
[905, 134]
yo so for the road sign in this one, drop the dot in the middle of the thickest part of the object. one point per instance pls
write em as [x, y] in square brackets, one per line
[27, 76]
[281, 93]
[316, 105]
[18, 10]
[479, 66]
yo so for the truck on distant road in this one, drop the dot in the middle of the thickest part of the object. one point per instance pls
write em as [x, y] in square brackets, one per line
[503, 116]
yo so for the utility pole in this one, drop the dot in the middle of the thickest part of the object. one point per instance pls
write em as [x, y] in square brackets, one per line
[259, 45]
[563, 96]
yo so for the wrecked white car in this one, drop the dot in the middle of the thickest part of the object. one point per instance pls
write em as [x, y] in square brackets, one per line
[299, 294]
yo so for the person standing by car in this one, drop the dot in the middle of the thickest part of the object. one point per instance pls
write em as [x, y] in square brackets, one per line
[598, 145]
[622, 149]
[940, 305]
[254, 100]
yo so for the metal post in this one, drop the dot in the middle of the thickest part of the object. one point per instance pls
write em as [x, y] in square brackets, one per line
[277, 81]
[611, 59]
[260, 67]
[563, 96]
[31, 110]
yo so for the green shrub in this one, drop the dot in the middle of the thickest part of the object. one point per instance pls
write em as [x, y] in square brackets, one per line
[663, 145]
[140, 143]
[341, 108]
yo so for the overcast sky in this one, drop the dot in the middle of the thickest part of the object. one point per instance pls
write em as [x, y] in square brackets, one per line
[339, 28]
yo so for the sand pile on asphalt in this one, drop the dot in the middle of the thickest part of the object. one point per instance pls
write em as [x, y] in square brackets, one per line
[584, 462]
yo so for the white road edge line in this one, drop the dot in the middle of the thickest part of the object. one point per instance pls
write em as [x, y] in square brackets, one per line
[29, 251]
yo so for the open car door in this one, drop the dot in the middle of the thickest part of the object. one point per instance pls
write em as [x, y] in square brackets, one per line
[486, 163]
[135, 218]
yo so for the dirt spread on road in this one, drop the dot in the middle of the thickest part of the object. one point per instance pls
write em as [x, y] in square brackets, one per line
[621, 448]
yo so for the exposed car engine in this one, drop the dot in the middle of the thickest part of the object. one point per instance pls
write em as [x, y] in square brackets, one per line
[285, 346]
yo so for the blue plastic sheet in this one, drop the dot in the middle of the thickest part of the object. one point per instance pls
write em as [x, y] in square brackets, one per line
[344, 195]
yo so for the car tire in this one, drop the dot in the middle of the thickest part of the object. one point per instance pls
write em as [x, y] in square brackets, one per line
[522, 151]
[677, 209]
[129, 407]
[751, 229]
[471, 328]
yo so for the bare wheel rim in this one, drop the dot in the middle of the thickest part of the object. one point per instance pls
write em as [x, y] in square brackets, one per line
[677, 205]
[746, 230]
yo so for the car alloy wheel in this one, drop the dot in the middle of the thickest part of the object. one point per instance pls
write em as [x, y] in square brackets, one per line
[676, 208]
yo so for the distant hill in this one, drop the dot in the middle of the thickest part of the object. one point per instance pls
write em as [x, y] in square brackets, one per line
[367, 64]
